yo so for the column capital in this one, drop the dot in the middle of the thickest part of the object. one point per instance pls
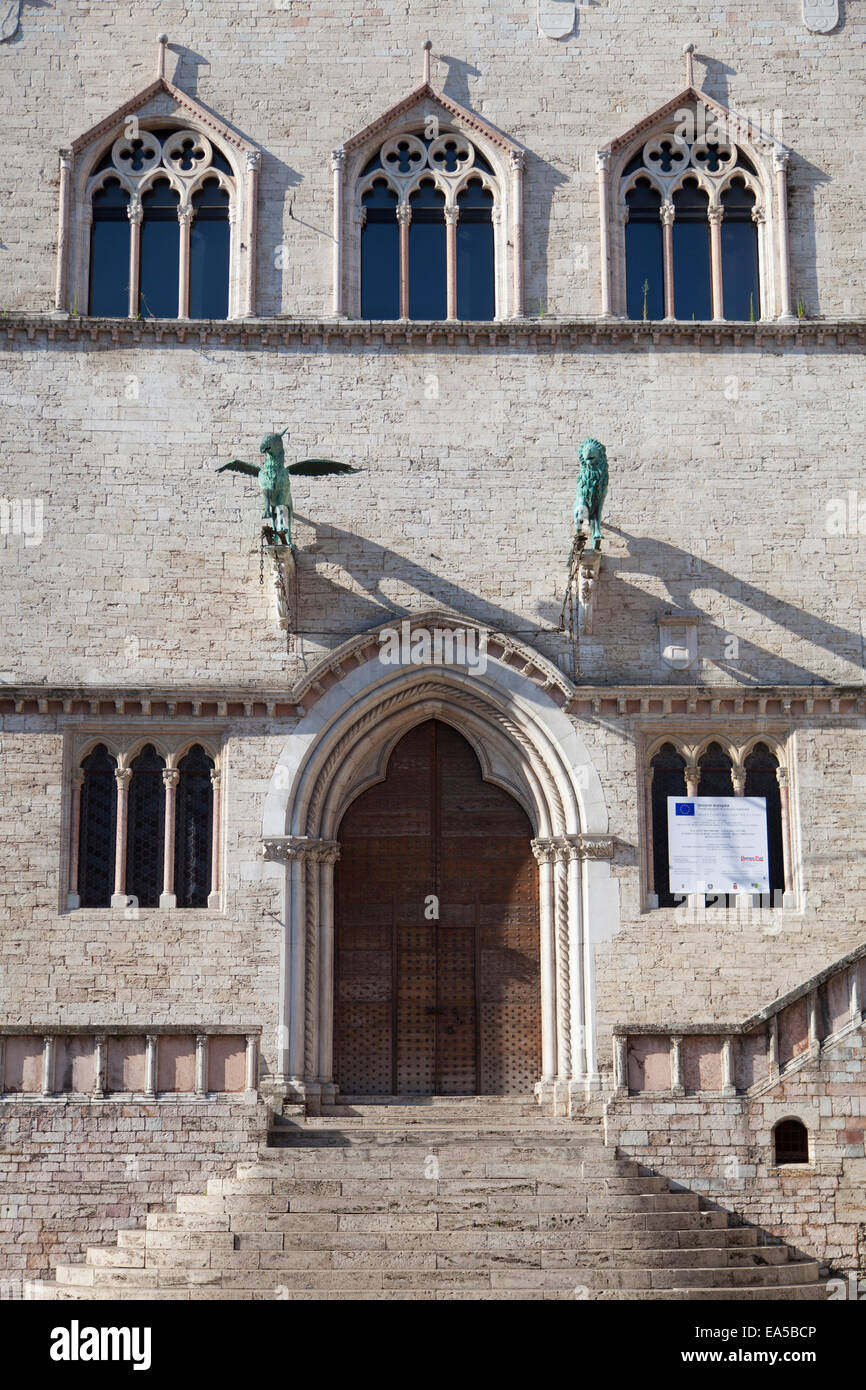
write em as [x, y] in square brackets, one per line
[215, 776]
[780, 159]
[122, 776]
[782, 776]
[563, 848]
[667, 213]
[254, 159]
[451, 216]
[170, 776]
[602, 161]
[338, 158]
[404, 214]
[517, 161]
[714, 216]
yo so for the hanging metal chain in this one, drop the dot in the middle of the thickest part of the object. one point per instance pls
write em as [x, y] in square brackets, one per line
[577, 547]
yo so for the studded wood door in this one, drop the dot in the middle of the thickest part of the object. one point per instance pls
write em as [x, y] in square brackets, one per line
[445, 1004]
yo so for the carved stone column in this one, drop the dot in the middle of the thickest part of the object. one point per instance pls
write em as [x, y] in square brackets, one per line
[327, 858]
[545, 854]
[73, 899]
[213, 897]
[451, 216]
[667, 216]
[517, 161]
[677, 1087]
[49, 1043]
[404, 218]
[780, 165]
[168, 898]
[714, 216]
[201, 1060]
[151, 1045]
[135, 213]
[299, 964]
[122, 776]
[61, 292]
[184, 217]
[787, 848]
[338, 164]
[693, 777]
[100, 1065]
[248, 298]
[602, 162]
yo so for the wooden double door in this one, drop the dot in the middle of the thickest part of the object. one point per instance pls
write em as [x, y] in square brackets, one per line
[437, 979]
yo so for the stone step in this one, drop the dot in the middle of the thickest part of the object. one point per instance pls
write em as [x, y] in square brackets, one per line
[384, 1194]
[132, 1239]
[807, 1293]
[350, 1183]
[574, 1278]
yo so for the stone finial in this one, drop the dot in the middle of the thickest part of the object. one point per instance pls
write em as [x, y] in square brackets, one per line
[688, 50]
[162, 40]
[425, 70]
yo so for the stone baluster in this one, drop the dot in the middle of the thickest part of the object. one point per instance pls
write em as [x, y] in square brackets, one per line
[677, 1087]
[201, 1061]
[151, 1058]
[728, 1085]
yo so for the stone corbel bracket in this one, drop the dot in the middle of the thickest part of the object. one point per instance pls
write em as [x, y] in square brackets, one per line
[584, 584]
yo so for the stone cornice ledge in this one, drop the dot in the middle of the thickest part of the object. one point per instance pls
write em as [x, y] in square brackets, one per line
[781, 702]
[562, 333]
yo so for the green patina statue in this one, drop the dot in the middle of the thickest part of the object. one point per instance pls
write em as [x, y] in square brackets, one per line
[592, 482]
[273, 477]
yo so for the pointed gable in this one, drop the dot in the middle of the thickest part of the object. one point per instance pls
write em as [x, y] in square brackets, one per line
[430, 101]
[161, 86]
[690, 96]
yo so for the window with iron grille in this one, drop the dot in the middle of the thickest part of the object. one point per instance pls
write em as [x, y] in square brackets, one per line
[193, 829]
[676, 769]
[97, 828]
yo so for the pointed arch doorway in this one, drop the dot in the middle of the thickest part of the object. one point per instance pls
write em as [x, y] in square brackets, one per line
[437, 987]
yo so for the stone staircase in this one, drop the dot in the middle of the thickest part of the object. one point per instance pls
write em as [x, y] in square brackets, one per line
[479, 1198]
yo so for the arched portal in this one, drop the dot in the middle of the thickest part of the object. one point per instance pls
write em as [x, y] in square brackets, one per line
[437, 987]
[510, 705]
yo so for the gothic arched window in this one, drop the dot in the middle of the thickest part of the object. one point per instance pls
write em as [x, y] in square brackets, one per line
[145, 828]
[97, 828]
[193, 831]
[161, 206]
[694, 217]
[426, 209]
[748, 769]
[109, 251]
[668, 779]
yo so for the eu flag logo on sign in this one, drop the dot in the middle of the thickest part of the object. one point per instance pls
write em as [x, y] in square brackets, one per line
[685, 808]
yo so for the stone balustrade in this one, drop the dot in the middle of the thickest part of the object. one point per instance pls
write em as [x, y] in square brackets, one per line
[719, 1059]
[147, 1061]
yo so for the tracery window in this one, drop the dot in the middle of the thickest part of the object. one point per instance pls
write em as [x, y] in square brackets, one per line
[692, 249]
[718, 767]
[162, 205]
[694, 217]
[144, 827]
[426, 211]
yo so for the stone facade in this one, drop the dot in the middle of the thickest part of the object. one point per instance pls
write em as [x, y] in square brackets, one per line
[134, 607]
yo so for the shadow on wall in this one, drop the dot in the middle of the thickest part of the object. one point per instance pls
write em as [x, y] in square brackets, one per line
[373, 567]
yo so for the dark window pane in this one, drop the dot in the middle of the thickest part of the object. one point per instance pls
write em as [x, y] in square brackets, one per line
[145, 829]
[97, 828]
[761, 780]
[715, 772]
[740, 285]
[668, 780]
[643, 253]
[476, 288]
[209, 254]
[692, 284]
[791, 1142]
[193, 829]
[160, 253]
[427, 256]
[380, 255]
[109, 252]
